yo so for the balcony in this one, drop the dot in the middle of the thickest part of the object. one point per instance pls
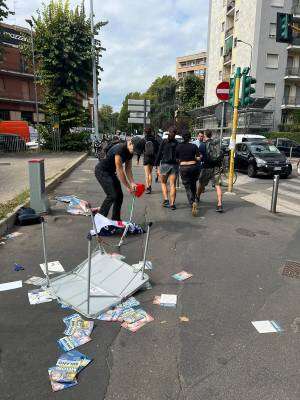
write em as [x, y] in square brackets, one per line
[291, 102]
[292, 74]
[227, 58]
[229, 32]
[230, 8]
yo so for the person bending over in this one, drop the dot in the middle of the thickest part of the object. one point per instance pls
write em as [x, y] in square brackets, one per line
[110, 173]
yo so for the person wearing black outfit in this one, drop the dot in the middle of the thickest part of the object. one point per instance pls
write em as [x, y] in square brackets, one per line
[149, 147]
[188, 156]
[110, 171]
[168, 167]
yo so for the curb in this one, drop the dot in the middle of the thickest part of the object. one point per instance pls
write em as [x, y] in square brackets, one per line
[9, 221]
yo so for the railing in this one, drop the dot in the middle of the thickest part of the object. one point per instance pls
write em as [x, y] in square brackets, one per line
[291, 101]
[11, 143]
[229, 32]
[230, 6]
[292, 71]
[227, 57]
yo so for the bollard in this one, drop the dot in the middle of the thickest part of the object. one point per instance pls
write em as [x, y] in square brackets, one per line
[38, 197]
[275, 194]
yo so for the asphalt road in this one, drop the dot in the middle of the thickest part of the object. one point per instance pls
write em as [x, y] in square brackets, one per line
[235, 258]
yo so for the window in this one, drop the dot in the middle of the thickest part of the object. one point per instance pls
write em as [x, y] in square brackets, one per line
[183, 64]
[220, 75]
[221, 51]
[180, 75]
[237, 15]
[272, 60]
[270, 89]
[272, 30]
[223, 26]
[277, 3]
[233, 68]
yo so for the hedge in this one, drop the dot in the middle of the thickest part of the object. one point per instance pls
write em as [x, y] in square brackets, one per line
[289, 135]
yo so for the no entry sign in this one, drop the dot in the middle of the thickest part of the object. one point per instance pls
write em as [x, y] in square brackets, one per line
[222, 91]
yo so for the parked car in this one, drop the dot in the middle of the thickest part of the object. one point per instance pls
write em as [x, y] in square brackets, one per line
[240, 138]
[261, 157]
[289, 147]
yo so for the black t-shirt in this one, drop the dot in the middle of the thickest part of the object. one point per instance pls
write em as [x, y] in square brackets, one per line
[187, 152]
[108, 164]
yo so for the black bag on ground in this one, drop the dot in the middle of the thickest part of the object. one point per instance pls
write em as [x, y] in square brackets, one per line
[27, 216]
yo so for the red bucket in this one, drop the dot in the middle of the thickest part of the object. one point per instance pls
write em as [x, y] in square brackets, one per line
[140, 188]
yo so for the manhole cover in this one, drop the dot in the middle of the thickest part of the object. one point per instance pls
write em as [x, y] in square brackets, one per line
[245, 232]
[291, 269]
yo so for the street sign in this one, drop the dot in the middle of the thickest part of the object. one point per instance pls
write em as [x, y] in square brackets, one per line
[138, 121]
[138, 108]
[222, 91]
[138, 102]
[137, 115]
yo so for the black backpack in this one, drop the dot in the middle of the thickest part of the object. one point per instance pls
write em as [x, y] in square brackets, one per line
[214, 153]
[149, 149]
[27, 216]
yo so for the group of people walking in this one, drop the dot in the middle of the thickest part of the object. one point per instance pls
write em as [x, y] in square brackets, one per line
[197, 162]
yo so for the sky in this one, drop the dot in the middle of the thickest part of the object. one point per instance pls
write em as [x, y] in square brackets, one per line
[143, 39]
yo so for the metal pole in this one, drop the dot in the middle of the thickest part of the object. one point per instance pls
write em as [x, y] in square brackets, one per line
[89, 273]
[222, 122]
[45, 251]
[127, 225]
[275, 194]
[95, 80]
[291, 151]
[146, 249]
[35, 87]
[234, 127]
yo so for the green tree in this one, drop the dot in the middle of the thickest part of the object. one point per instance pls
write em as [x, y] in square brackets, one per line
[62, 41]
[4, 13]
[191, 93]
[124, 113]
[108, 119]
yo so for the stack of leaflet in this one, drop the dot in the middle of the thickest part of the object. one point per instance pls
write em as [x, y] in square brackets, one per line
[64, 374]
[168, 300]
[77, 332]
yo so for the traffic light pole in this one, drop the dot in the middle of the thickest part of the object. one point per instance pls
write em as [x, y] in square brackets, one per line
[234, 127]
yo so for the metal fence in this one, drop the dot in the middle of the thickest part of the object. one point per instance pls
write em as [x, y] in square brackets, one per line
[12, 143]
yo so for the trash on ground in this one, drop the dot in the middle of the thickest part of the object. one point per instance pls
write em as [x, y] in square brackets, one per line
[146, 286]
[296, 325]
[115, 314]
[168, 300]
[184, 319]
[36, 281]
[156, 300]
[182, 276]
[76, 326]
[68, 343]
[13, 235]
[133, 327]
[68, 366]
[10, 285]
[76, 206]
[38, 296]
[139, 266]
[163, 322]
[267, 326]
[27, 216]
[18, 267]
[108, 227]
[54, 267]
[1, 243]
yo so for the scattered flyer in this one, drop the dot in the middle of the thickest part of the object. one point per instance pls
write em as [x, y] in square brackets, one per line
[68, 343]
[78, 327]
[74, 355]
[110, 315]
[132, 315]
[267, 326]
[36, 281]
[182, 276]
[10, 285]
[39, 296]
[54, 267]
[13, 235]
[129, 303]
[135, 326]
[63, 375]
[57, 386]
[156, 300]
[168, 300]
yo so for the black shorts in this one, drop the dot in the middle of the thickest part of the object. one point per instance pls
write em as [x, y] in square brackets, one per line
[149, 161]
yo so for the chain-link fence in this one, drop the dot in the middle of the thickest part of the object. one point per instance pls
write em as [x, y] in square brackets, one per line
[12, 143]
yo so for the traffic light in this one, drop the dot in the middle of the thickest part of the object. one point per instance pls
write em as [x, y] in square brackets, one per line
[231, 91]
[284, 32]
[247, 89]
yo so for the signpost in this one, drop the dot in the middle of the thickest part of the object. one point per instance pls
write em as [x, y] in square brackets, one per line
[139, 110]
[222, 92]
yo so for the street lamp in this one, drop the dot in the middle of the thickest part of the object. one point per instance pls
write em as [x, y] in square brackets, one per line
[251, 47]
[29, 21]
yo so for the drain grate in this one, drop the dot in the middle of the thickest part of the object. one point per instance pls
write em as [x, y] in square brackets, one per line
[291, 269]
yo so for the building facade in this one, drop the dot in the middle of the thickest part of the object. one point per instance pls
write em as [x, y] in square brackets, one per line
[194, 64]
[241, 35]
[17, 95]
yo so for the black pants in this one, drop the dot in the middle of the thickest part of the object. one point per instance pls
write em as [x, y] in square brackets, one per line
[189, 176]
[114, 195]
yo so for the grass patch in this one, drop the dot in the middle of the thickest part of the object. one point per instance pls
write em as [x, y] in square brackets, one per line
[9, 206]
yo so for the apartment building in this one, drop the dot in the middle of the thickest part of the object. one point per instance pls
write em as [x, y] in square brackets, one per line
[243, 32]
[194, 64]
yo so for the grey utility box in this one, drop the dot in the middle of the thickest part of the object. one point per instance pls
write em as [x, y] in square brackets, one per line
[38, 198]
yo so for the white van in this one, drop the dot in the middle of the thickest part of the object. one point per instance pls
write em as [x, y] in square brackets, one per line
[243, 138]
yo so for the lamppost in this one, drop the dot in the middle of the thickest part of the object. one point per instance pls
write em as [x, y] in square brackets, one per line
[29, 21]
[95, 83]
[251, 47]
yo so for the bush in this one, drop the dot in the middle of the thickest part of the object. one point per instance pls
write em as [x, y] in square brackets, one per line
[289, 135]
[289, 127]
[73, 141]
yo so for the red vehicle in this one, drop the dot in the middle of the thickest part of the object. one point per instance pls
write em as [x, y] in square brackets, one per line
[20, 128]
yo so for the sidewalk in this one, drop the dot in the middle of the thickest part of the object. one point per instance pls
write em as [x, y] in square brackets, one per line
[235, 259]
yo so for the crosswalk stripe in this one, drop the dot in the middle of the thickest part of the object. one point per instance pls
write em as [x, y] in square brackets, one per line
[287, 193]
[289, 185]
[263, 199]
